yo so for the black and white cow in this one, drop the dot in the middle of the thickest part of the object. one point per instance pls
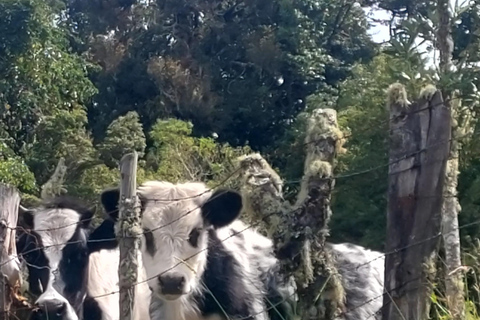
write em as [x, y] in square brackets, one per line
[73, 275]
[201, 261]
[103, 276]
[56, 253]
[362, 275]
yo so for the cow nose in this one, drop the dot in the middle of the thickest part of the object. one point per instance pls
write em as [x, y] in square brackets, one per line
[172, 284]
[52, 309]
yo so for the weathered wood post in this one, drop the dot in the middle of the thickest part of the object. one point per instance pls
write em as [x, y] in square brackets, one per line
[128, 233]
[299, 232]
[10, 279]
[419, 146]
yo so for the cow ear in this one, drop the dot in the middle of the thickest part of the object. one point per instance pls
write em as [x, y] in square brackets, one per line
[222, 208]
[110, 199]
[27, 216]
[22, 238]
[87, 216]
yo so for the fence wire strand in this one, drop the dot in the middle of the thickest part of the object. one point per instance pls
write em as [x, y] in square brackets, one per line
[232, 174]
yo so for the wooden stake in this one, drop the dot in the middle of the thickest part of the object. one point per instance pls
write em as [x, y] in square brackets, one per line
[419, 145]
[128, 233]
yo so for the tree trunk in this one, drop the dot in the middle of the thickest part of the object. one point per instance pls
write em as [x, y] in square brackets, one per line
[299, 232]
[454, 289]
[419, 146]
[128, 232]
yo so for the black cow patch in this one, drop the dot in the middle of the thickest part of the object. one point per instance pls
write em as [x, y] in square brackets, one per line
[103, 237]
[223, 279]
[91, 309]
[30, 246]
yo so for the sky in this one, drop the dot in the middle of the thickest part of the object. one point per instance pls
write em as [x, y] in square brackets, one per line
[379, 32]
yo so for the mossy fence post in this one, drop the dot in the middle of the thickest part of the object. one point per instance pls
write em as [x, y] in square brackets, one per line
[299, 230]
[10, 277]
[128, 234]
[54, 186]
[419, 146]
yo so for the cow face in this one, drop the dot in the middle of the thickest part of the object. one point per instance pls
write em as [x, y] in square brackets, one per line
[176, 220]
[54, 248]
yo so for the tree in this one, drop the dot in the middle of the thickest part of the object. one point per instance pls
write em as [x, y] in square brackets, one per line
[62, 134]
[38, 73]
[434, 23]
[124, 135]
[14, 171]
[178, 156]
[241, 70]
[361, 113]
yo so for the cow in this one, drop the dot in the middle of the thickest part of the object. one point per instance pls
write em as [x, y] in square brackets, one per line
[102, 302]
[201, 261]
[74, 275]
[55, 250]
[362, 276]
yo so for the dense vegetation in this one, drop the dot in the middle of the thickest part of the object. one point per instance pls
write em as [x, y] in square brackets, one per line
[192, 84]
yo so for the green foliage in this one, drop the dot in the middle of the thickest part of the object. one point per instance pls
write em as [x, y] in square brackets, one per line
[90, 183]
[124, 135]
[359, 201]
[469, 190]
[90, 81]
[15, 172]
[60, 135]
[38, 73]
[241, 70]
[178, 156]
[363, 116]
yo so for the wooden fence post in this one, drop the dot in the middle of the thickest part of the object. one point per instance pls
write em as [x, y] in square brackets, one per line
[419, 145]
[300, 230]
[128, 233]
[10, 270]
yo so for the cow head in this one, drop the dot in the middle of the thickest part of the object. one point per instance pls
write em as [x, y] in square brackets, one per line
[54, 247]
[176, 220]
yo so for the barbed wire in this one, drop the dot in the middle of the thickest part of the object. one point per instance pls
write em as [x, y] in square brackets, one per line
[394, 118]
[361, 172]
[226, 179]
[81, 221]
[234, 172]
[291, 181]
[261, 220]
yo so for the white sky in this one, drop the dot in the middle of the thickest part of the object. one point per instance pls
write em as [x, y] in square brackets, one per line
[379, 32]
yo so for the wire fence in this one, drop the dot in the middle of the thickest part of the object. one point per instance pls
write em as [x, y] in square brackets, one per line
[383, 255]
[252, 225]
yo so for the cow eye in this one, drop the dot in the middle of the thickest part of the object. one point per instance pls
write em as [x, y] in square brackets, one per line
[149, 241]
[193, 237]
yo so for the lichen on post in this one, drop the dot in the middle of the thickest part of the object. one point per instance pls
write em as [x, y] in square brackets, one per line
[300, 230]
[419, 147]
[54, 186]
[261, 190]
[128, 232]
[311, 214]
